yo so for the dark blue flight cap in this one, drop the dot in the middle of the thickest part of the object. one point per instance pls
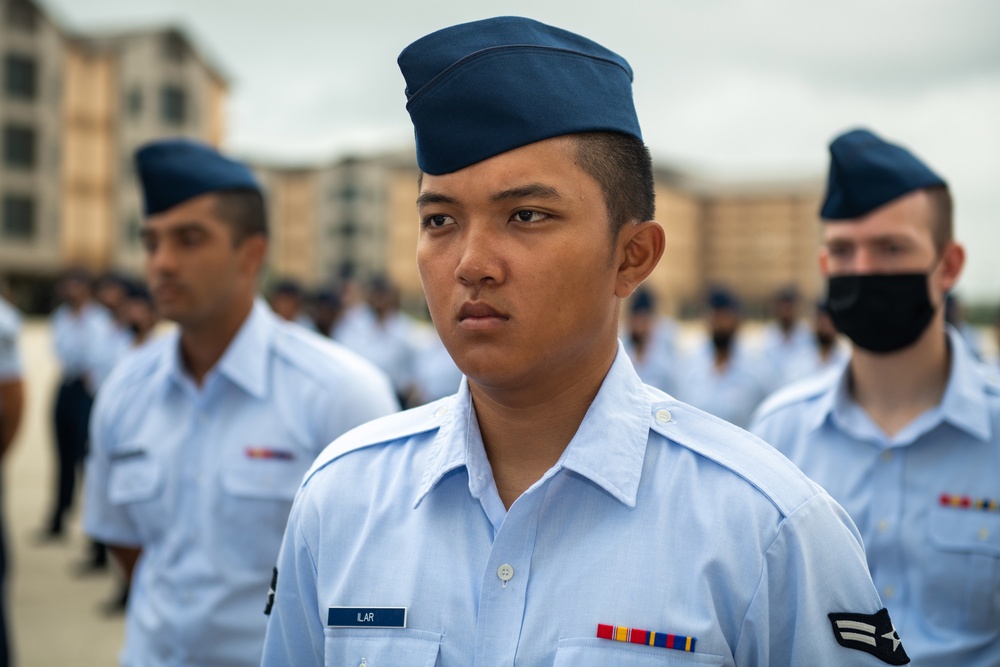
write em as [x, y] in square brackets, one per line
[722, 299]
[479, 89]
[175, 170]
[867, 172]
[643, 301]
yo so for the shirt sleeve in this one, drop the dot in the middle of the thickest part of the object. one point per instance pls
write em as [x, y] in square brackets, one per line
[10, 359]
[294, 628]
[102, 519]
[815, 567]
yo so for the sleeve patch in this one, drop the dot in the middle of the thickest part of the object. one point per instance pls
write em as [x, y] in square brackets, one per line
[270, 593]
[871, 633]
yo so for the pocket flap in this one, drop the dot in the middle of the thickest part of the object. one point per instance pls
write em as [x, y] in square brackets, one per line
[134, 479]
[955, 529]
[382, 648]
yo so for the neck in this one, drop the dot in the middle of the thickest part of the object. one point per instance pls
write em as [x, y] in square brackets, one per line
[896, 388]
[525, 431]
[203, 344]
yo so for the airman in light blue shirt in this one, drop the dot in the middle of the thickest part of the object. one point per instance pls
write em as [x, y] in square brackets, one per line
[201, 437]
[906, 436]
[556, 510]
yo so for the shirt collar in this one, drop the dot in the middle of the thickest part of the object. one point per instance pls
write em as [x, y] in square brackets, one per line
[608, 448]
[244, 362]
[963, 404]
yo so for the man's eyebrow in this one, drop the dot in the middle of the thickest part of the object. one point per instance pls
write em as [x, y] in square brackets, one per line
[537, 190]
[434, 198]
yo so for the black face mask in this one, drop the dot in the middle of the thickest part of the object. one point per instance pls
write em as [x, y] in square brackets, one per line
[879, 312]
[825, 340]
[722, 340]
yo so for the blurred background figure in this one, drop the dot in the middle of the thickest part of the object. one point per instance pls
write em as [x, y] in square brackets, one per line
[386, 336]
[435, 374]
[787, 337]
[722, 376]
[80, 326]
[140, 314]
[650, 342]
[138, 318]
[327, 309]
[825, 349]
[286, 300]
[954, 314]
[11, 409]
[356, 314]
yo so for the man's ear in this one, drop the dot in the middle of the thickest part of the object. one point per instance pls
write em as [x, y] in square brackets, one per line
[952, 262]
[254, 251]
[824, 262]
[640, 247]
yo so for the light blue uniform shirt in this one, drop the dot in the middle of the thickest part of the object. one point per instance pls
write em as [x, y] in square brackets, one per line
[203, 478]
[656, 517]
[658, 365]
[78, 338]
[391, 345]
[936, 566]
[731, 394]
[10, 329]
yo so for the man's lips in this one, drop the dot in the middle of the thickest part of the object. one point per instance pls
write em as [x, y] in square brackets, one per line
[479, 314]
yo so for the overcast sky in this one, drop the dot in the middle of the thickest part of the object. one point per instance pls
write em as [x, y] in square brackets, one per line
[745, 89]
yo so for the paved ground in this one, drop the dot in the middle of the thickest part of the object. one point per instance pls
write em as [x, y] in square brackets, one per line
[54, 614]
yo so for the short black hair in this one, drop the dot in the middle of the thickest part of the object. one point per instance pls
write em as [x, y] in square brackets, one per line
[622, 166]
[244, 211]
[942, 210]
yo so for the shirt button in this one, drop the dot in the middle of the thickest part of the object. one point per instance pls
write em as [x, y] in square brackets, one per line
[663, 416]
[984, 534]
[887, 455]
[883, 526]
[506, 573]
[888, 591]
[440, 411]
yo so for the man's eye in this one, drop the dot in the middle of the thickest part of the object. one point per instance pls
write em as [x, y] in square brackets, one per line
[437, 221]
[529, 216]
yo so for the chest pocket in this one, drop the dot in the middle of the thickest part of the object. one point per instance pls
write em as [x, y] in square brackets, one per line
[134, 479]
[594, 652]
[963, 573]
[136, 483]
[255, 499]
[381, 648]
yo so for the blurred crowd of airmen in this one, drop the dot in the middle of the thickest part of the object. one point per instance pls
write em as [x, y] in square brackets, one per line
[203, 433]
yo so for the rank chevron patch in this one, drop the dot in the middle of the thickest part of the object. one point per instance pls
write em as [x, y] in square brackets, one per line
[871, 633]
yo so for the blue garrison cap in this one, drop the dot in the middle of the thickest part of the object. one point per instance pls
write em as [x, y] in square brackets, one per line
[867, 172]
[175, 170]
[643, 301]
[479, 89]
[722, 299]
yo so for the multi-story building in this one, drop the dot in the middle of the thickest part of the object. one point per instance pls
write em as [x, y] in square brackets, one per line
[73, 108]
[32, 50]
[751, 238]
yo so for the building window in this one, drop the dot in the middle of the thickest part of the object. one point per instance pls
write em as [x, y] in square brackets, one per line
[19, 146]
[173, 103]
[174, 47]
[20, 77]
[20, 14]
[18, 217]
[133, 102]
